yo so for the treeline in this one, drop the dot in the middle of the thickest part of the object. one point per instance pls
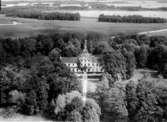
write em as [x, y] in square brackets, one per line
[35, 14]
[34, 80]
[130, 19]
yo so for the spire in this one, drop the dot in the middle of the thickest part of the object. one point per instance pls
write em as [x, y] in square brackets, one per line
[85, 46]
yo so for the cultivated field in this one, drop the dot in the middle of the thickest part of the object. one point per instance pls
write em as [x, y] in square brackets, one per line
[32, 27]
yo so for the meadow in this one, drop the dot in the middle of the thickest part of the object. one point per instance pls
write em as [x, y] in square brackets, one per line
[32, 27]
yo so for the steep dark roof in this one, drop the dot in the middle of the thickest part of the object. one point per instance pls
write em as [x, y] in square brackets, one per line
[69, 59]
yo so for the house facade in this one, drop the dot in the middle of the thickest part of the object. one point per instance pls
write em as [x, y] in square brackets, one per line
[85, 62]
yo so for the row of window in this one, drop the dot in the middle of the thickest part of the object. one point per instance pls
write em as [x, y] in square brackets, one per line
[87, 70]
[85, 60]
[94, 64]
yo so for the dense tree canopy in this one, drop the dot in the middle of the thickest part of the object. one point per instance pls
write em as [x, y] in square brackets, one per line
[143, 101]
[36, 14]
[115, 64]
[35, 80]
[130, 19]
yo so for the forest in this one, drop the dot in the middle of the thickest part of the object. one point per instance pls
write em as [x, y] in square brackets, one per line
[130, 19]
[37, 14]
[33, 79]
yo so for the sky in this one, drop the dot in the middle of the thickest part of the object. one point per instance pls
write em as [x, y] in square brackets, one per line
[83, 0]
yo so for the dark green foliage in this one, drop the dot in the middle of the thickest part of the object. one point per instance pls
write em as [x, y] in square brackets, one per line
[32, 66]
[70, 107]
[158, 40]
[142, 103]
[44, 44]
[36, 14]
[9, 81]
[114, 63]
[28, 47]
[102, 47]
[130, 62]
[59, 85]
[93, 38]
[141, 55]
[114, 103]
[160, 92]
[30, 105]
[36, 87]
[55, 54]
[44, 66]
[73, 48]
[144, 39]
[60, 44]
[4, 88]
[158, 59]
[130, 19]
[131, 98]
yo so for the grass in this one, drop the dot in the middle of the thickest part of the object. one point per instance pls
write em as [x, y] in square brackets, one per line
[31, 27]
[11, 116]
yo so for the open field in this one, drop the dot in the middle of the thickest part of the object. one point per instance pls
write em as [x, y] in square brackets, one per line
[31, 27]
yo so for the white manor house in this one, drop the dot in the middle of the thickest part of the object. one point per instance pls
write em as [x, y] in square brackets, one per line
[85, 62]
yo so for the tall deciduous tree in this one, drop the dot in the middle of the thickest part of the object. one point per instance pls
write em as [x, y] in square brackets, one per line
[114, 63]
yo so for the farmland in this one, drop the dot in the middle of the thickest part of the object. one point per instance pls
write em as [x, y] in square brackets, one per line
[31, 27]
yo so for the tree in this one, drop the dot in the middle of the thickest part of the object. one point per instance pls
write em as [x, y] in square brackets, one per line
[160, 92]
[30, 105]
[28, 47]
[114, 63]
[2, 54]
[141, 56]
[60, 44]
[144, 39]
[130, 62]
[5, 85]
[45, 66]
[10, 79]
[114, 103]
[36, 87]
[158, 40]
[132, 99]
[61, 85]
[158, 59]
[70, 107]
[74, 116]
[142, 103]
[44, 44]
[101, 48]
[55, 54]
[72, 49]
[11, 46]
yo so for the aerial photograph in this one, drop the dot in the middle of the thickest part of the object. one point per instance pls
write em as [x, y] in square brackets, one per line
[83, 60]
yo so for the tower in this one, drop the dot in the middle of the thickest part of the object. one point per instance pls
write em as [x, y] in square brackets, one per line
[85, 50]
